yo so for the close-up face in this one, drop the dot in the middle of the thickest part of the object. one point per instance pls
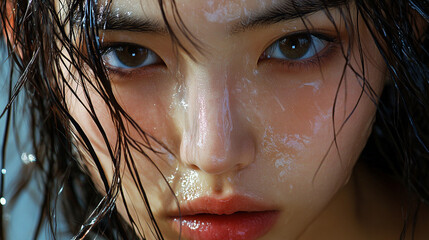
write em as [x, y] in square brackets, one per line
[256, 122]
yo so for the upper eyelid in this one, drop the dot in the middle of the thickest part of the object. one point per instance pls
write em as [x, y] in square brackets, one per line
[108, 46]
[317, 33]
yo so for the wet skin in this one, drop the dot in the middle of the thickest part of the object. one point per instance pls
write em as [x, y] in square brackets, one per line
[242, 119]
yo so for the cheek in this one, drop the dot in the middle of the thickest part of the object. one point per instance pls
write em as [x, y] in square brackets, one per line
[296, 118]
[135, 140]
[142, 170]
[149, 104]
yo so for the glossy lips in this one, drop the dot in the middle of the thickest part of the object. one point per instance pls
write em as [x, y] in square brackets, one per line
[235, 218]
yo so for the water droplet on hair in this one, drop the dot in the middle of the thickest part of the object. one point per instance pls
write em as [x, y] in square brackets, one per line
[27, 158]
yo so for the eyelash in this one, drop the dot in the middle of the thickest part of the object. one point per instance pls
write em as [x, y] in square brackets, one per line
[316, 61]
[106, 48]
[291, 65]
[308, 63]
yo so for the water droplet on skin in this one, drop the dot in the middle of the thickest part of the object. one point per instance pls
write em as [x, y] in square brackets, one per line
[196, 224]
[283, 148]
[170, 178]
[280, 104]
[191, 187]
[178, 98]
[224, 13]
[315, 85]
[320, 119]
[226, 119]
[184, 104]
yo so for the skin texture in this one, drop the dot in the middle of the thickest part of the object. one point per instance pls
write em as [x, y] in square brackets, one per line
[238, 123]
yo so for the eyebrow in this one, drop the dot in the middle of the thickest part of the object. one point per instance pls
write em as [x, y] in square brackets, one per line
[284, 11]
[124, 22]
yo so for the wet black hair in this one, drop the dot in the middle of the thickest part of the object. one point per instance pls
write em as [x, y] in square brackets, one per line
[36, 38]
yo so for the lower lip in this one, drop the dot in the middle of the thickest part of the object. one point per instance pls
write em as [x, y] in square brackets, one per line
[237, 226]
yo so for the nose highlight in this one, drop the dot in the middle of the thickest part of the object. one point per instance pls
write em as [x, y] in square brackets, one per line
[214, 140]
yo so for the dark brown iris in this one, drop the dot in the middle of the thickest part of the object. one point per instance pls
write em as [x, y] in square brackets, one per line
[296, 46]
[131, 56]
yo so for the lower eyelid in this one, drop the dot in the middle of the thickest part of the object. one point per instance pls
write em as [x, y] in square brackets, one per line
[148, 72]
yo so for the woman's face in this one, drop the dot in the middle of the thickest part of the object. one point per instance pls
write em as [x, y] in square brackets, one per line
[249, 121]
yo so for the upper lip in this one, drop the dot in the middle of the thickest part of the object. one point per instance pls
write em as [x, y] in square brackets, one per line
[221, 206]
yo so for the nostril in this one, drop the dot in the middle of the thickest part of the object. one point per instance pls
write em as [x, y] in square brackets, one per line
[194, 167]
[240, 166]
[213, 157]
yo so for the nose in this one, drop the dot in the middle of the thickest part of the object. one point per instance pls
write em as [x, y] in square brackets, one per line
[215, 139]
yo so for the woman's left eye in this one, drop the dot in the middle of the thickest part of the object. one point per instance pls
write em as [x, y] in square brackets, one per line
[296, 47]
[129, 56]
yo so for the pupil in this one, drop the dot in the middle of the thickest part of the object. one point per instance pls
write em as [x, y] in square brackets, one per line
[295, 47]
[132, 56]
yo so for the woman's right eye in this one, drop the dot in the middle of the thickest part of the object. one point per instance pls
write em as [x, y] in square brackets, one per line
[129, 56]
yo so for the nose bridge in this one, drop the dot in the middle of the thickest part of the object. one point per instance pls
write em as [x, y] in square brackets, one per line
[211, 138]
[214, 121]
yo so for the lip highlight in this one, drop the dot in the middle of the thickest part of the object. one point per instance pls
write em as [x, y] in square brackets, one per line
[236, 217]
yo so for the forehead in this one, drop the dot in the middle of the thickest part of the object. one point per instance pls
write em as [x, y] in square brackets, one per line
[213, 10]
[197, 12]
